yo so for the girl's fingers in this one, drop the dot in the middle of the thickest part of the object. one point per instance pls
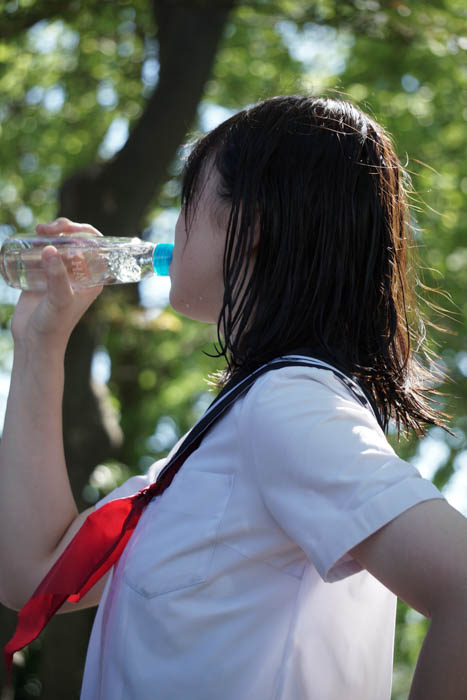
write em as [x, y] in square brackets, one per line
[58, 285]
[64, 225]
[61, 298]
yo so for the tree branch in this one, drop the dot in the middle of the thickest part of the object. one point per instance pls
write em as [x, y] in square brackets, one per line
[118, 193]
[24, 18]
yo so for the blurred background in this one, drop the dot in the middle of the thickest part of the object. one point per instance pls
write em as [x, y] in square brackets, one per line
[97, 101]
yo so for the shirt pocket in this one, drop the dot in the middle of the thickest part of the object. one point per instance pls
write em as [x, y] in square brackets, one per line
[173, 544]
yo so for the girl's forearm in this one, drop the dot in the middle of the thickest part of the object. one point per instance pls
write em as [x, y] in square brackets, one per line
[441, 670]
[36, 502]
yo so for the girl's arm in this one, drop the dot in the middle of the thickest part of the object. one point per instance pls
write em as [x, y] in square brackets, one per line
[38, 514]
[422, 557]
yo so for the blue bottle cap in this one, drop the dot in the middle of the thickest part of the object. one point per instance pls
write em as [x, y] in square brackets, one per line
[162, 257]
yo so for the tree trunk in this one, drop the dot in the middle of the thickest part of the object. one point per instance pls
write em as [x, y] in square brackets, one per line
[114, 198]
[7, 628]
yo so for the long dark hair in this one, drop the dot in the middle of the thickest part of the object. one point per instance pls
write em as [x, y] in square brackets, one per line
[320, 182]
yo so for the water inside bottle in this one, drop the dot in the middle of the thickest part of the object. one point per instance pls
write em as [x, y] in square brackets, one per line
[122, 266]
[86, 267]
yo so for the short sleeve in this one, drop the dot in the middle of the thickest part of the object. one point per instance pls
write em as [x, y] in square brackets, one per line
[324, 467]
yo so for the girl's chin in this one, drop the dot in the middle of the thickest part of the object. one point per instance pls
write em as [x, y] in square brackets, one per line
[190, 310]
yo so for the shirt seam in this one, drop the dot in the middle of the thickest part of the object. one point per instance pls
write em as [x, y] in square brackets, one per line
[247, 458]
[264, 561]
[288, 642]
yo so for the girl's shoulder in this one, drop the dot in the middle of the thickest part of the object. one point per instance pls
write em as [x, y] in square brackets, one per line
[317, 388]
[313, 406]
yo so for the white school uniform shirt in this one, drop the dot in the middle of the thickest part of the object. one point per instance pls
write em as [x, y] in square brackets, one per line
[237, 582]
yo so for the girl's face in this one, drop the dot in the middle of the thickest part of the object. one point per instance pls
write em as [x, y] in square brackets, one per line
[197, 289]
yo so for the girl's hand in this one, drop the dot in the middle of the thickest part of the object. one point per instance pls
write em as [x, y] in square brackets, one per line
[49, 317]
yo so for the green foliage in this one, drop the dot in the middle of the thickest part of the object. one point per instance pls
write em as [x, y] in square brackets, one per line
[62, 83]
[158, 370]
[253, 41]
[411, 630]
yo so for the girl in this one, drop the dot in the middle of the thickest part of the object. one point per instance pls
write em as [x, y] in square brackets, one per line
[270, 566]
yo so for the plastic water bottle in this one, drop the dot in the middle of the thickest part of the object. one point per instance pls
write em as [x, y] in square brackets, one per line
[90, 260]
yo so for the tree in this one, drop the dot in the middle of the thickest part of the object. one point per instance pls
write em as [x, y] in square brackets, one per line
[149, 65]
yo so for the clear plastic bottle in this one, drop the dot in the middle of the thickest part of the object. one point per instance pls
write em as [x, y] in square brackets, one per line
[90, 260]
